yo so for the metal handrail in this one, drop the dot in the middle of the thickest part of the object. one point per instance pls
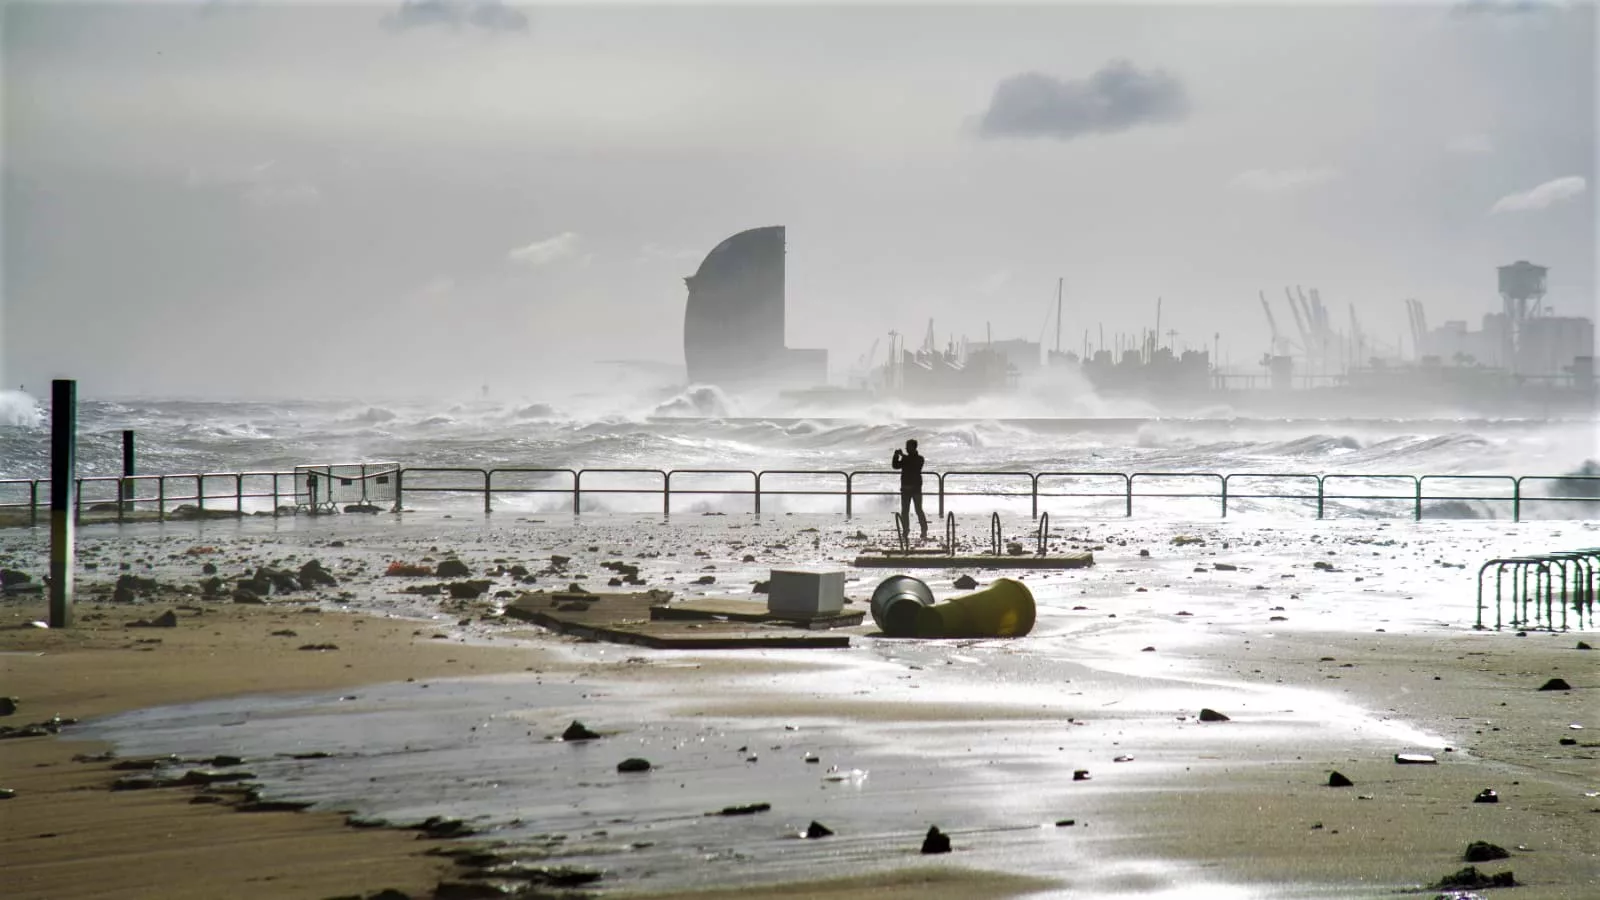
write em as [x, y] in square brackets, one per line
[202, 488]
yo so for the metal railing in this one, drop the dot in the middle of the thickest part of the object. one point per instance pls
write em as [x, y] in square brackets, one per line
[236, 490]
[1533, 599]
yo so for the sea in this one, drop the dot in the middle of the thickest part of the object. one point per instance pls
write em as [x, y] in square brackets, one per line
[662, 426]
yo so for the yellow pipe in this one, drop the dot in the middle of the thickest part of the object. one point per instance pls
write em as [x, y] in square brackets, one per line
[1003, 609]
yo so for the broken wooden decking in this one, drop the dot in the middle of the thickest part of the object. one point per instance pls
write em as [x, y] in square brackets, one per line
[895, 560]
[735, 610]
[629, 619]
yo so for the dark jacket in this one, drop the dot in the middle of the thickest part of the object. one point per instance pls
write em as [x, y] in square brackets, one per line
[910, 466]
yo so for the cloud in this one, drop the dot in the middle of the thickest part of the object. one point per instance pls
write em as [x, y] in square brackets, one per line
[542, 253]
[489, 15]
[1269, 181]
[1469, 144]
[650, 253]
[261, 185]
[1117, 97]
[993, 282]
[1558, 190]
[1505, 7]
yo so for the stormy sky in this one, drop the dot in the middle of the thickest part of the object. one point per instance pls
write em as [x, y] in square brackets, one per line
[292, 199]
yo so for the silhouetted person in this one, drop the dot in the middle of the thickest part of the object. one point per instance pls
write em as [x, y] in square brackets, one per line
[909, 462]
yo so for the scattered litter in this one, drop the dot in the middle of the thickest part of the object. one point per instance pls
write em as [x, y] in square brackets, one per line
[1414, 759]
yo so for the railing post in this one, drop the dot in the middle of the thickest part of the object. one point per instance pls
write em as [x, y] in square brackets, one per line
[123, 492]
[276, 498]
[577, 492]
[238, 493]
[161, 498]
[758, 493]
[488, 493]
[941, 493]
[1516, 500]
[77, 500]
[200, 491]
[666, 494]
[1319, 496]
[33, 503]
[1419, 499]
[398, 485]
[1128, 479]
[849, 496]
[1224, 496]
[1035, 480]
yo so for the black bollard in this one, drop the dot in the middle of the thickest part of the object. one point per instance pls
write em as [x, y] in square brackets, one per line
[125, 490]
[63, 493]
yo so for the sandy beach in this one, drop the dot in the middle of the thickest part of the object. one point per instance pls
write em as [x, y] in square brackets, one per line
[1318, 671]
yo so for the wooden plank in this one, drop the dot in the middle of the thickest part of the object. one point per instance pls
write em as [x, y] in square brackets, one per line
[706, 608]
[1081, 560]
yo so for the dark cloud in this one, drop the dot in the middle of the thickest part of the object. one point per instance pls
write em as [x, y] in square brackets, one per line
[1115, 98]
[490, 15]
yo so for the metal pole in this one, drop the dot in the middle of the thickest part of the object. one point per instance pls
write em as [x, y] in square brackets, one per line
[125, 487]
[63, 469]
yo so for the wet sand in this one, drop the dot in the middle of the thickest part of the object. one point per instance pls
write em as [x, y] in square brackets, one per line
[1228, 809]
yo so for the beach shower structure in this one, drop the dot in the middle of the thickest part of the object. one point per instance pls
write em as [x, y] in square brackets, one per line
[734, 321]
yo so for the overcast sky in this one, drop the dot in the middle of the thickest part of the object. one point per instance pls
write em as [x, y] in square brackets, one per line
[381, 198]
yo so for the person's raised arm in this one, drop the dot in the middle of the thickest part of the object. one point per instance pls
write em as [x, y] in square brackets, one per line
[898, 459]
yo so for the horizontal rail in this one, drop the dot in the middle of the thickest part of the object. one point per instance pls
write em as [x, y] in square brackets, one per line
[217, 490]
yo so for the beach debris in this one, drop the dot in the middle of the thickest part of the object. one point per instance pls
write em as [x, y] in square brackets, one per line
[408, 570]
[1066, 823]
[168, 619]
[748, 809]
[1338, 779]
[224, 761]
[854, 775]
[1470, 877]
[1080, 774]
[817, 830]
[1414, 759]
[634, 764]
[208, 569]
[319, 646]
[1144, 553]
[286, 632]
[1183, 540]
[1123, 758]
[1584, 645]
[442, 827]
[313, 575]
[467, 590]
[1323, 565]
[706, 579]
[935, 841]
[8, 793]
[1487, 795]
[8, 705]
[129, 587]
[243, 594]
[1224, 567]
[1568, 742]
[1147, 650]
[452, 568]
[1555, 684]
[1207, 714]
[1483, 851]
[965, 583]
[577, 732]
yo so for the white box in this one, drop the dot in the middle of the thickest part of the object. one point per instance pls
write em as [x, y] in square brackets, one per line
[801, 592]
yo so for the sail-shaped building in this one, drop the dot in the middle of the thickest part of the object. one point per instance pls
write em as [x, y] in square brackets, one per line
[733, 326]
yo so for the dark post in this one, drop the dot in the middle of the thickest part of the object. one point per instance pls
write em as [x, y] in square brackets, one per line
[63, 478]
[126, 492]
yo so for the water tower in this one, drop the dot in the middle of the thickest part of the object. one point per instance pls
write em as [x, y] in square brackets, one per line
[1521, 289]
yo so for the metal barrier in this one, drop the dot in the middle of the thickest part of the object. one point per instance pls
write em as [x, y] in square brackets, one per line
[1044, 534]
[1577, 569]
[234, 489]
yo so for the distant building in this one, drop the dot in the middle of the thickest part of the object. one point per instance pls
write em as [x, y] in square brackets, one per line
[733, 324]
